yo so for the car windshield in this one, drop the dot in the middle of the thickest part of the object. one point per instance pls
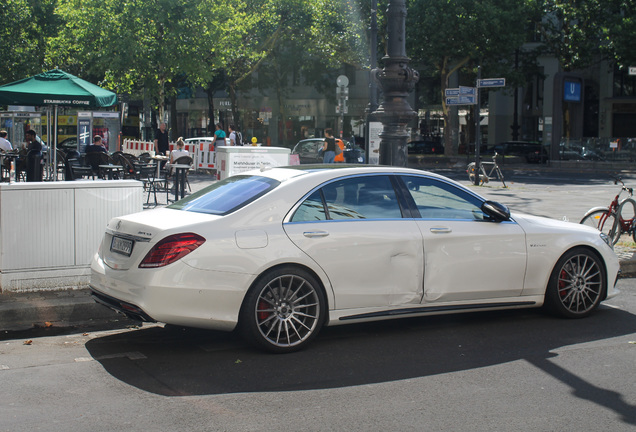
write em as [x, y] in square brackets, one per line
[227, 195]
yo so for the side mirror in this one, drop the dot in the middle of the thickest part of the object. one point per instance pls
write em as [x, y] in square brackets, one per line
[495, 210]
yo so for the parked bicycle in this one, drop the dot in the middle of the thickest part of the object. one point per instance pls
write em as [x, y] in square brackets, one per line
[618, 218]
[487, 170]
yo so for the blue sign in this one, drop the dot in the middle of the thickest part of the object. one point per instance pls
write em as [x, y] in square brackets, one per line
[467, 90]
[491, 82]
[451, 92]
[571, 91]
[461, 100]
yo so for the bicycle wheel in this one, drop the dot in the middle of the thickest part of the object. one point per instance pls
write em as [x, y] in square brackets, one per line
[471, 172]
[605, 222]
[627, 212]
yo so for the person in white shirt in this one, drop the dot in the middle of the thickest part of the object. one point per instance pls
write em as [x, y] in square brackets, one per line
[175, 154]
[234, 141]
[5, 145]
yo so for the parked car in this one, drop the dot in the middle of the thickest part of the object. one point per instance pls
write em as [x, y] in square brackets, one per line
[280, 252]
[425, 147]
[69, 144]
[529, 150]
[308, 150]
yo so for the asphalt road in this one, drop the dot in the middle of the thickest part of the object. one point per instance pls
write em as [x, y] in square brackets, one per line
[514, 370]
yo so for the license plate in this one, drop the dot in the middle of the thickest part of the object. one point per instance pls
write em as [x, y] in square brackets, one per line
[121, 246]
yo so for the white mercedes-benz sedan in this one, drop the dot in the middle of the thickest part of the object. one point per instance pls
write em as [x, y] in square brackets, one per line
[280, 252]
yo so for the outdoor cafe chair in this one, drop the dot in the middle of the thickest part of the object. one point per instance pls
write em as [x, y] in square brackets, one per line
[79, 171]
[150, 182]
[184, 160]
[129, 169]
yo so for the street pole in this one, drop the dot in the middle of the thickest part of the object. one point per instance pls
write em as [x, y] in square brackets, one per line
[373, 87]
[396, 80]
[477, 127]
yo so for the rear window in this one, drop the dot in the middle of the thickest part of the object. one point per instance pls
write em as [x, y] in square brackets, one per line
[227, 195]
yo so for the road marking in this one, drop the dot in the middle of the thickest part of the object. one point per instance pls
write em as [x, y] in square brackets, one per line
[134, 355]
[4, 367]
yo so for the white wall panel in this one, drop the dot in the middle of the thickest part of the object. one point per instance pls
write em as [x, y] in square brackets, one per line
[93, 209]
[49, 231]
[36, 229]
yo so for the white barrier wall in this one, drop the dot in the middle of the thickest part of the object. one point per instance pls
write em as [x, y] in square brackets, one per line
[49, 231]
[136, 147]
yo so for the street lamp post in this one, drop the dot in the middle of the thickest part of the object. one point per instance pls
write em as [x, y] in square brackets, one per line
[396, 80]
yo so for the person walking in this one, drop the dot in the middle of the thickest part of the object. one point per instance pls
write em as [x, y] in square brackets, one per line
[162, 144]
[235, 136]
[219, 136]
[329, 147]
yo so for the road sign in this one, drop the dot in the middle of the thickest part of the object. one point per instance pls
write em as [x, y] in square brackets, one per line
[632, 71]
[461, 100]
[491, 82]
[467, 90]
[450, 92]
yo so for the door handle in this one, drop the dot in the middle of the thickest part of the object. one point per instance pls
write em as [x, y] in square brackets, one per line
[312, 234]
[441, 230]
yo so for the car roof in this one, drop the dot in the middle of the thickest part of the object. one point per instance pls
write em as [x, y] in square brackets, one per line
[328, 171]
[199, 139]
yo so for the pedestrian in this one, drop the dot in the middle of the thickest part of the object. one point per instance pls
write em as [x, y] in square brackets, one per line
[236, 139]
[329, 147]
[97, 146]
[219, 135]
[162, 144]
[5, 145]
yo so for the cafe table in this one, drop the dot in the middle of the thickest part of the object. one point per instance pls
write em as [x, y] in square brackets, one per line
[180, 173]
[111, 171]
[159, 159]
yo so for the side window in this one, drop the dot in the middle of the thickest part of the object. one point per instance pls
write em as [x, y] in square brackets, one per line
[436, 199]
[364, 197]
[310, 210]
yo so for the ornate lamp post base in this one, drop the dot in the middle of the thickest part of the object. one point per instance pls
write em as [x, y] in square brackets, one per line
[396, 80]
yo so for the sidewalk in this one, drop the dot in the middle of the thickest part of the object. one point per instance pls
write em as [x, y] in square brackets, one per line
[75, 308]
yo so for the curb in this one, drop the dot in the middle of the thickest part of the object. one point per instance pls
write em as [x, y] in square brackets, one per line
[65, 308]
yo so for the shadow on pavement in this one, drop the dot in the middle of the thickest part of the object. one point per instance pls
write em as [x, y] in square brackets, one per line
[181, 362]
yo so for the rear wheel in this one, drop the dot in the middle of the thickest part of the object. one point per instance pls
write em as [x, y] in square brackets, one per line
[577, 284]
[284, 310]
[605, 222]
[627, 211]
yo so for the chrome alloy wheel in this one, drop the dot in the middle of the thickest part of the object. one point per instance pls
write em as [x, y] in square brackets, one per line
[288, 311]
[580, 284]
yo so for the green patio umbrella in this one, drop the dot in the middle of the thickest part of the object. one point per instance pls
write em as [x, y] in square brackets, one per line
[54, 88]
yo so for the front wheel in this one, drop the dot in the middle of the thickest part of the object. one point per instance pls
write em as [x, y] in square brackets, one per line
[577, 284]
[284, 310]
[605, 222]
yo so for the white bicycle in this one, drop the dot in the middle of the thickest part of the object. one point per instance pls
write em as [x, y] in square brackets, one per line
[487, 170]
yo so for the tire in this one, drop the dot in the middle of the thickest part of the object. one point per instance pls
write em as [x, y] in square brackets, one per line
[471, 174]
[603, 221]
[577, 284]
[284, 310]
[627, 211]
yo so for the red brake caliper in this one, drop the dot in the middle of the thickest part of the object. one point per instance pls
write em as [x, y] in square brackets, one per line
[260, 311]
[562, 276]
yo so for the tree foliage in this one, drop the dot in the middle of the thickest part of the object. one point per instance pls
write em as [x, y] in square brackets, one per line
[445, 36]
[26, 25]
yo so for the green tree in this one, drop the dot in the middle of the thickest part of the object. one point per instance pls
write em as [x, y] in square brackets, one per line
[26, 25]
[452, 35]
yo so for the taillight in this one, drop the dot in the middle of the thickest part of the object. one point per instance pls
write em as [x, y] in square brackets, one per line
[171, 249]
